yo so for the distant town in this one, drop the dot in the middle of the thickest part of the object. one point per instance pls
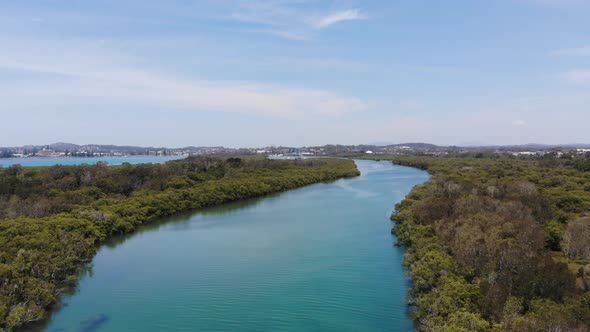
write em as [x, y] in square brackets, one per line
[65, 150]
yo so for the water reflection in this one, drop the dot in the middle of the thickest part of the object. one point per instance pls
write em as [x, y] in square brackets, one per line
[180, 221]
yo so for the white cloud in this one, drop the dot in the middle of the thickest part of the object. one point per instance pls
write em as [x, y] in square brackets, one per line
[519, 123]
[579, 76]
[331, 19]
[579, 51]
[70, 73]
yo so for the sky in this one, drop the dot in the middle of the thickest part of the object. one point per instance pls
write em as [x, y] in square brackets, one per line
[247, 73]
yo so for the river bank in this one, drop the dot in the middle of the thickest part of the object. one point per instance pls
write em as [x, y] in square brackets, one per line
[318, 257]
[43, 254]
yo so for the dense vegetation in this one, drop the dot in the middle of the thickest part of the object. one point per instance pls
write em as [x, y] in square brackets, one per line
[52, 219]
[498, 244]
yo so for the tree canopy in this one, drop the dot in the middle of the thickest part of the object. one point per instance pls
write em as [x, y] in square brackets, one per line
[497, 244]
[52, 219]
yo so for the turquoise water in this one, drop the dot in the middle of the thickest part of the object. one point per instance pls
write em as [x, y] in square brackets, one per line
[90, 160]
[318, 258]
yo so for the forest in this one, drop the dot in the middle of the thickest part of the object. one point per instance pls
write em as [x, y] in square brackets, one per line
[498, 244]
[52, 219]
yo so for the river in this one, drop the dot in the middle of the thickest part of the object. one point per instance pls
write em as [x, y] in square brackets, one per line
[318, 258]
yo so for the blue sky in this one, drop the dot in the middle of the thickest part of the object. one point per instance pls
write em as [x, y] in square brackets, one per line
[294, 72]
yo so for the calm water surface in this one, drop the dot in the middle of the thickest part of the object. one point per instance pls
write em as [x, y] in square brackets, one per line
[90, 160]
[318, 258]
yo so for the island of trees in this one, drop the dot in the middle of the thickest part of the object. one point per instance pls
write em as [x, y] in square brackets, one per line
[498, 244]
[52, 219]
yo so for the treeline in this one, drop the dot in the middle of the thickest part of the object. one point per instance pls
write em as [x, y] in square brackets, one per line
[52, 219]
[498, 244]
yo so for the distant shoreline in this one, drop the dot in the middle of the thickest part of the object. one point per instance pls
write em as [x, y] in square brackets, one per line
[109, 156]
[38, 161]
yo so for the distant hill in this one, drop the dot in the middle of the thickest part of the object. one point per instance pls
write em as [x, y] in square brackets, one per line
[61, 149]
[528, 146]
[419, 146]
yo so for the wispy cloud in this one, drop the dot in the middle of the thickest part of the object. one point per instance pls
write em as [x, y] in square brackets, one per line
[340, 16]
[579, 76]
[578, 51]
[285, 34]
[294, 20]
[103, 74]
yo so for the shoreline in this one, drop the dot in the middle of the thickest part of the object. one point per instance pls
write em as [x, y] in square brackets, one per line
[209, 196]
